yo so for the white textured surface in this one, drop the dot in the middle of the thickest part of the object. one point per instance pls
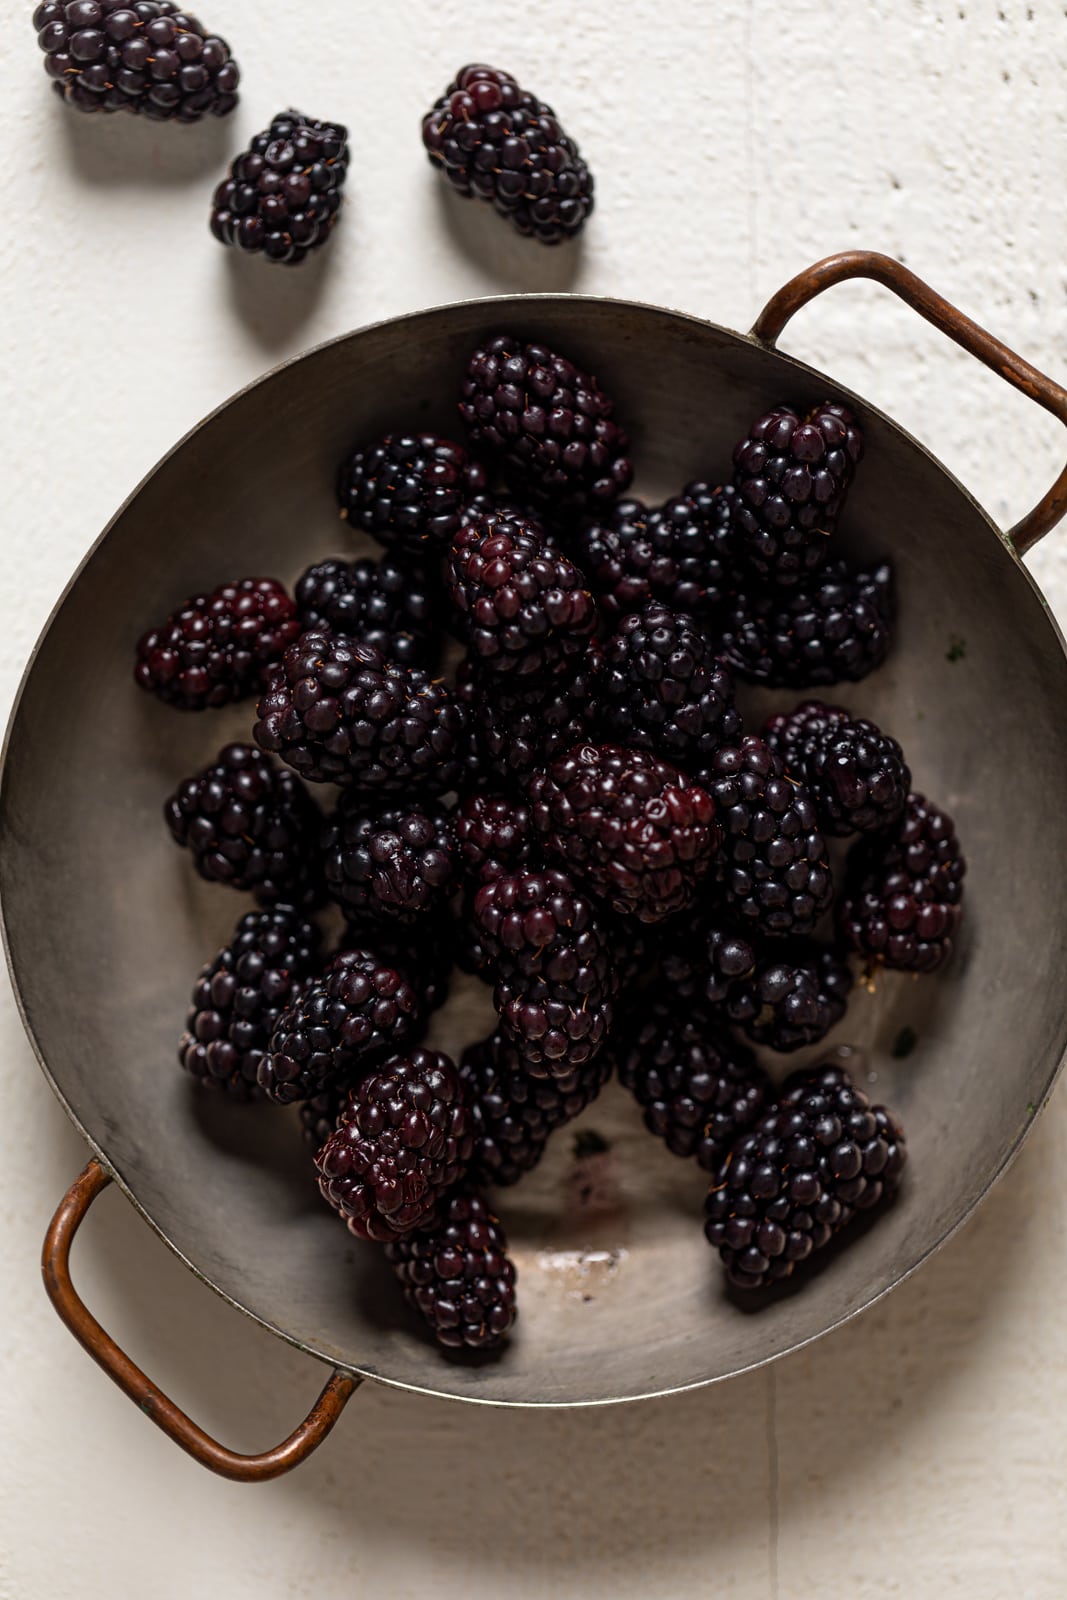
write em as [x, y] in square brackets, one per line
[918, 1452]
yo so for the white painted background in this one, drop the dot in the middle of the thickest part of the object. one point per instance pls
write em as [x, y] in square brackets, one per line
[919, 1452]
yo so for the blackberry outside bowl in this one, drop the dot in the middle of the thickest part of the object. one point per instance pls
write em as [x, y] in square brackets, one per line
[621, 1299]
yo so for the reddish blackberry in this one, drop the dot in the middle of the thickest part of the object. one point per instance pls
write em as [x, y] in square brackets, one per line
[664, 689]
[791, 477]
[793, 998]
[523, 608]
[493, 836]
[548, 423]
[358, 1010]
[146, 56]
[282, 196]
[404, 1139]
[702, 958]
[407, 491]
[698, 1088]
[494, 141]
[855, 773]
[774, 871]
[251, 825]
[386, 604]
[216, 647]
[680, 554]
[901, 903]
[320, 1115]
[338, 712]
[422, 951]
[835, 626]
[637, 830]
[513, 1112]
[800, 1175]
[239, 996]
[457, 1274]
[518, 726]
[396, 864]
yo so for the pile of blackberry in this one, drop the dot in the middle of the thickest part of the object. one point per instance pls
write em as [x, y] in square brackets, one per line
[573, 810]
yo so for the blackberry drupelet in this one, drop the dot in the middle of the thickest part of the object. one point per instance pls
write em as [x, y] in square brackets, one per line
[457, 1274]
[251, 825]
[834, 627]
[145, 56]
[386, 604]
[901, 903]
[681, 554]
[800, 1175]
[493, 835]
[855, 773]
[282, 196]
[513, 1112]
[395, 864]
[241, 993]
[773, 868]
[493, 141]
[217, 647]
[698, 1088]
[338, 712]
[320, 1115]
[664, 689]
[793, 998]
[357, 1011]
[640, 833]
[549, 425]
[404, 1140]
[519, 725]
[408, 491]
[702, 957]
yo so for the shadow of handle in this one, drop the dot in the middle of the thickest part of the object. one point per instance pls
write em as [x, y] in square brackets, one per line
[55, 1265]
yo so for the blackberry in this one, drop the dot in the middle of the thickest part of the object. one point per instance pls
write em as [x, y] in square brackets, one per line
[637, 830]
[338, 712]
[320, 1115]
[702, 958]
[664, 689]
[396, 864]
[493, 836]
[699, 1090]
[793, 998]
[239, 996]
[523, 608]
[800, 1175]
[791, 475]
[386, 604]
[773, 867]
[517, 728]
[408, 491]
[251, 825]
[457, 1274]
[515, 1113]
[855, 773]
[282, 196]
[680, 554]
[554, 1036]
[901, 903]
[548, 424]
[493, 141]
[836, 626]
[145, 56]
[422, 951]
[216, 647]
[359, 1009]
[404, 1139]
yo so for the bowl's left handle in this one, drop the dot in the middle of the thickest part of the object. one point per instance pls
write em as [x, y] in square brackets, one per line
[55, 1265]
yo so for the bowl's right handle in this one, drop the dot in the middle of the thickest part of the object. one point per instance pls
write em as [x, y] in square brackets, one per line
[989, 350]
[55, 1264]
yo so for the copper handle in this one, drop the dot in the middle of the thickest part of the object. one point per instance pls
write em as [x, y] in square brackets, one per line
[55, 1265]
[975, 340]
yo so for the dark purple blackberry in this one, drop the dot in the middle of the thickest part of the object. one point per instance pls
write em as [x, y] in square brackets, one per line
[395, 864]
[386, 604]
[404, 1139]
[793, 998]
[320, 1115]
[251, 825]
[523, 608]
[239, 996]
[800, 1175]
[422, 951]
[338, 712]
[554, 1036]
[282, 196]
[664, 689]
[834, 627]
[680, 554]
[493, 836]
[146, 56]
[514, 1113]
[408, 490]
[358, 1010]
[639, 832]
[519, 726]
[456, 1273]
[548, 424]
[791, 475]
[773, 867]
[494, 141]
[855, 773]
[698, 1088]
[701, 958]
[901, 903]
[217, 647]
